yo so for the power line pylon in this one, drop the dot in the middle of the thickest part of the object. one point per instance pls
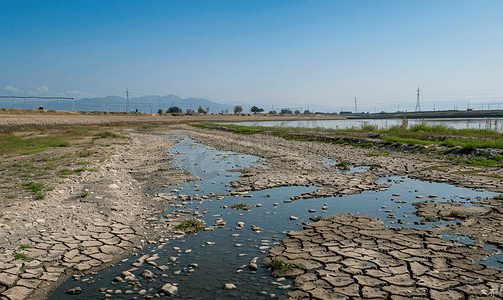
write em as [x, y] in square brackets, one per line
[127, 101]
[418, 105]
[356, 106]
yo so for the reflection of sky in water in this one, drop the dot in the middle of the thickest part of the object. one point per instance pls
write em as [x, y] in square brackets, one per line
[218, 263]
[492, 124]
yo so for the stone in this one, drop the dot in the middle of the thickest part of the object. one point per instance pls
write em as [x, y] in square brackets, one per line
[74, 291]
[229, 286]
[29, 283]
[169, 289]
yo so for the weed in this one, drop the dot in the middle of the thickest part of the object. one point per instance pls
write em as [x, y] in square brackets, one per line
[499, 197]
[83, 163]
[40, 196]
[366, 145]
[84, 194]
[92, 170]
[282, 266]
[106, 134]
[65, 156]
[34, 187]
[85, 153]
[456, 213]
[65, 172]
[343, 164]
[23, 257]
[307, 172]
[161, 169]
[50, 188]
[241, 205]
[25, 246]
[190, 225]
[102, 160]
[126, 149]
[11, 197]
[430, 219]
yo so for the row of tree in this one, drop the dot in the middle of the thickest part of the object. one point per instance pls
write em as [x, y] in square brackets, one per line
[237, 110]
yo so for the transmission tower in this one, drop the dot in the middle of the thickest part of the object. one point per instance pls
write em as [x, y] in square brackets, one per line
[127, 101]
[418, 105]
[356, 106]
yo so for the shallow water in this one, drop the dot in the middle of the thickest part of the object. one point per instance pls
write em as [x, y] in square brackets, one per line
[218, 263]
[491, 124]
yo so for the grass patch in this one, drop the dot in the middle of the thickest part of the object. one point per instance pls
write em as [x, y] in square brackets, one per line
[11, 197]
[65, 156]
[25, 246]
[40, 196]
[23, 257]
[365, 145]
[343, 164]
[106, 134]
[437, 168]
[83, 163]
[85, 153]
[190, 226]
[34, 187]
[496, 160]
[456, 213]
[307, 172]
[282, 266]
[430, 219]
[162, 170]
[84, 194]
[499, 197]
[241, 205]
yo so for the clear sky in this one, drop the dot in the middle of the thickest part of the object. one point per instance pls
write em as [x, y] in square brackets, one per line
[282, 53]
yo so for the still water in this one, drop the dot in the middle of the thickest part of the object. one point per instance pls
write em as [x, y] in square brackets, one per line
[234, 248]
[490, 124]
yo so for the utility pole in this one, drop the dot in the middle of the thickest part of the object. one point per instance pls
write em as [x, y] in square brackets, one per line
[433, 106]
[468, 104]
[127, 101]
[418, 106]
[356, 106]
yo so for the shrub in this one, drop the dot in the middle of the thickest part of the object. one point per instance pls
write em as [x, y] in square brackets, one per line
[282, 266]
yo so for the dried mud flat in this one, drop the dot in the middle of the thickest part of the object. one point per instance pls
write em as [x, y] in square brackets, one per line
[70, 235]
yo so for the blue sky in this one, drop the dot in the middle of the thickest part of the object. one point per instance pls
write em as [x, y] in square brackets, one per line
[282, 53]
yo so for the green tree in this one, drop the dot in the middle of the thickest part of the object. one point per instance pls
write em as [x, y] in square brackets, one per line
[238, 109]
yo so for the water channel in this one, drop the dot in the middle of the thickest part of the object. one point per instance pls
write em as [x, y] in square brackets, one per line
[221, 253]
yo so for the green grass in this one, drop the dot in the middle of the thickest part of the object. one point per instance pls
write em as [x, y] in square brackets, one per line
[476, 173]
[365, 145]
[437, 168]
[190, 226]
[23, 257]
[343, 164]
[65, 156]
[106, 134]
[241, 205]
[456, 213]
[499, 197]
[408, 141]
[282, 266]
[85, 153]
[40, 196]
[307, 172]
[496, 160]
[34, 187]
[430, 219]
[11, 197]
[83, 163]
[64, 172]
[25, 246]
[162, 170]
[84, 194]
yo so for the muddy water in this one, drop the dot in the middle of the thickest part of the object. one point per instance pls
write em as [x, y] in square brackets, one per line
[223, 255]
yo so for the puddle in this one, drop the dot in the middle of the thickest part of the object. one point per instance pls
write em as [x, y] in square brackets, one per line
[493, 261]
[219, 263]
